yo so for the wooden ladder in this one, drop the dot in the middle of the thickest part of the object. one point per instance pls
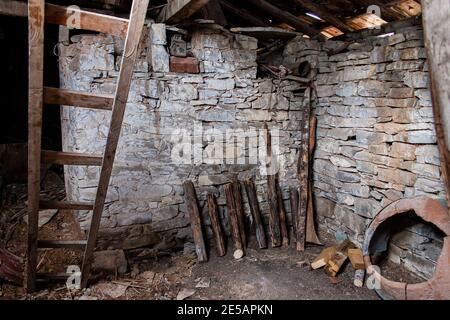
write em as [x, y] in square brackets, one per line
[131, 30]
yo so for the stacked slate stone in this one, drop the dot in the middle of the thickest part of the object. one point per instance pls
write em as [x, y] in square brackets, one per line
[376, 139]
[145, 205]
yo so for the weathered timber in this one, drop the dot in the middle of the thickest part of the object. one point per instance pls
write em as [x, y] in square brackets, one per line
[11, 268]
[215, 225]
[13, 8]
[311, 234]
[177, 10]
[338, 259]
[77, 99]
[240, 211]
[296, 22]
[191, 201]
[234, 222]
[436, 16]
[293, 197]
[256, 213]
[36, 14]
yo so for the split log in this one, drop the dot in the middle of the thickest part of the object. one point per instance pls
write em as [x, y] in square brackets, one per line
[11, 268]
[295, 215]
[234, 222]
[196, 224]
[256, 213]
[322, 259]
[283, 222]
[339, 258]
[272, 195]
[216, 227]
[356, 258]
[311, 234]
[240, 211]
[358, 281]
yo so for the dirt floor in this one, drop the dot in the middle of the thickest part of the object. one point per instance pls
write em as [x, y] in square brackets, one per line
[277, 273]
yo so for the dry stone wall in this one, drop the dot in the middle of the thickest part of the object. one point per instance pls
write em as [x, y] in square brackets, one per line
[376, 139]
[145, 205]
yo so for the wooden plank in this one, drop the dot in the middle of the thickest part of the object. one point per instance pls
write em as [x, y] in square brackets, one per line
[298, 220]
[436, 16]
[324, 14]
[234, 222]
[243, 14]
[286, 17]
[14, 8]
[65, 205]
[266, 32]
[71, 158]
[240, 211]
[78, 99]
[91, 21]
[136, 25]
[256, 213]
[356, 258]
[195, 217]
[35, 102]
[215, 225]
[322, 259]
[62, 244]
[50, 277]
[311, 234]
[178, 10]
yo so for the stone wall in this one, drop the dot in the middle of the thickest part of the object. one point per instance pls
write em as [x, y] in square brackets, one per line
[376, 139]
[145, 205]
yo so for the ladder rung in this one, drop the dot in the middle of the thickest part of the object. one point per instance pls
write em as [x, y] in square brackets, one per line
[78, 99]
[62, 244]
[87, 20]
[71, 158]
[60, 276]
[65, 205]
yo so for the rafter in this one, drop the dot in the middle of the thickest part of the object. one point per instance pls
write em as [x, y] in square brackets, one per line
[178, 10]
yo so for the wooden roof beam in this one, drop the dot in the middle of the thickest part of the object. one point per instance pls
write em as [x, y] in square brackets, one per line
[324, 14]
[177, 10]
[245, 15]
[14, 8]
[286, 17]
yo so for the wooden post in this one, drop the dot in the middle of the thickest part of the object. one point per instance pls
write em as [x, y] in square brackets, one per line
[234, 222]
[216, 227]
[240, 211]
[36, 16]
[311, 234]
[256, 213]
[196, 224]
[283, 222]
[436, 16]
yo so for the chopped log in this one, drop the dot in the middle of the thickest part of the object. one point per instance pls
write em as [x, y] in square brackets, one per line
[358, 281]
[240, 211]
[196, 224]
[234, 222]
[322, 259]
[216, 227]
[256, 213]
[339, 258]
[283, 222]
[294, 208]
[272, 196]
[344, 246]
[11, 268]
[311, 234]
[356, 258]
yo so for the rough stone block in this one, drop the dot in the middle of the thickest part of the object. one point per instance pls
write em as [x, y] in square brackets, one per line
[110, 261]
